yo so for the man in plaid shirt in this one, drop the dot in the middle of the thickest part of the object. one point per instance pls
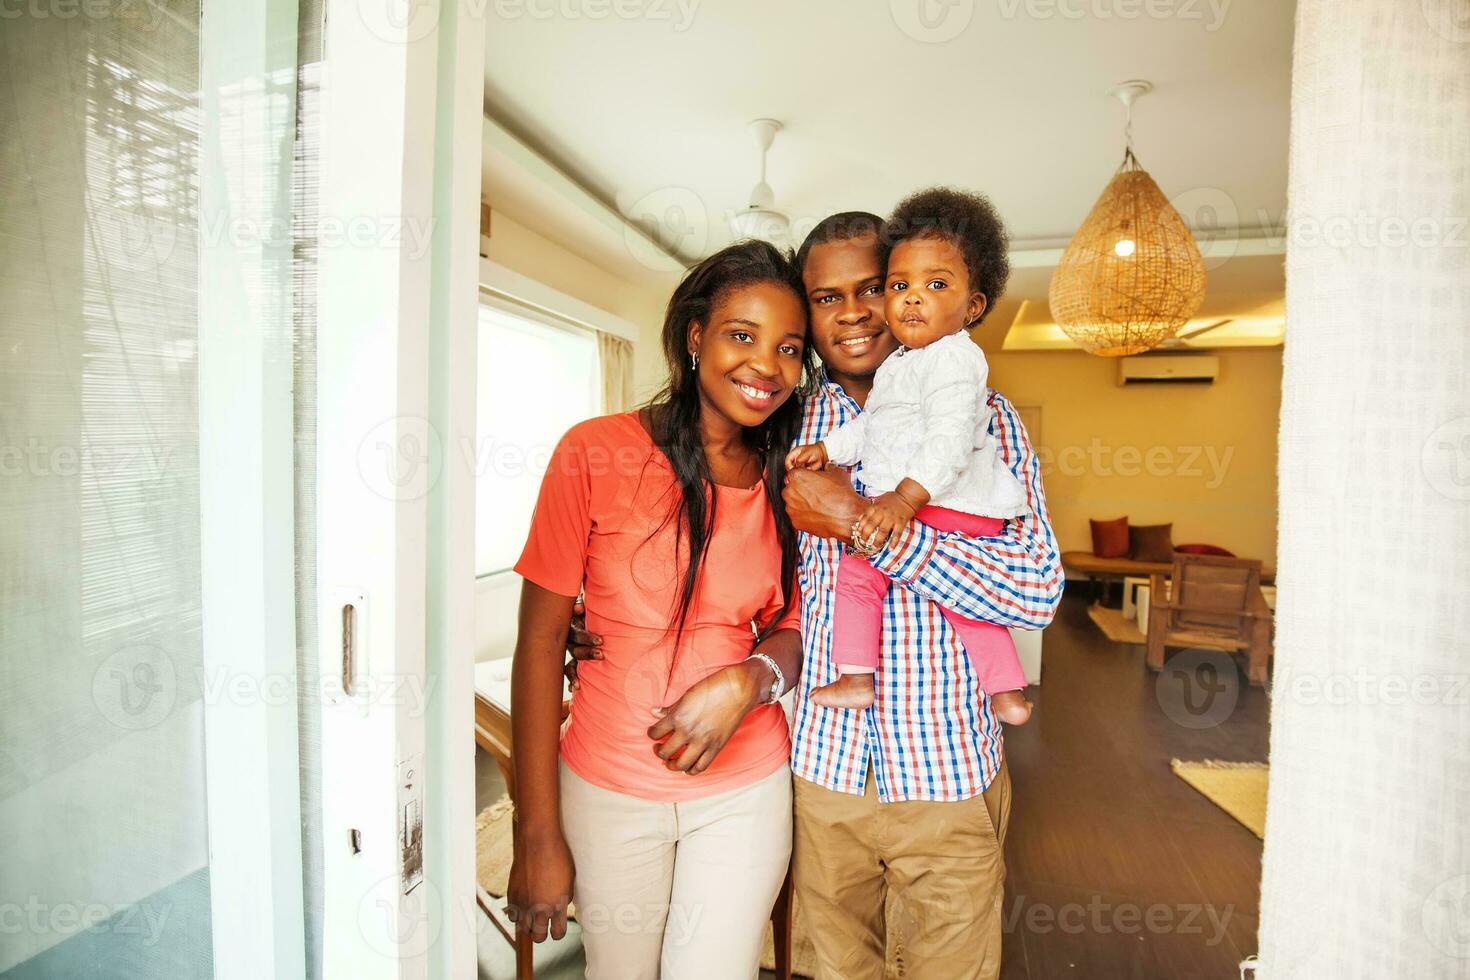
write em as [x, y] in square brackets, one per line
[911, 795]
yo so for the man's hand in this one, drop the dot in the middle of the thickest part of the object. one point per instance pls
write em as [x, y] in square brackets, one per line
[811, 456]
[691, 731]
[581, 645]
[822, 502]
[885, 518]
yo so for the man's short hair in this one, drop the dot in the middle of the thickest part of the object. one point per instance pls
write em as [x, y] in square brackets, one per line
[967, 220]
[840, 227]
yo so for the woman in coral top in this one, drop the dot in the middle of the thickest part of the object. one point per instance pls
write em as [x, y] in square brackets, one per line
[664, 804]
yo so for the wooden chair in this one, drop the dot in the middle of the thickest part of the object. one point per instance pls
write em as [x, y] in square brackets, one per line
[1214, 603]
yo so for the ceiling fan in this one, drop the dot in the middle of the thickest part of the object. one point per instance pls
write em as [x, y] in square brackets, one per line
[759, 218]
[1179, 340]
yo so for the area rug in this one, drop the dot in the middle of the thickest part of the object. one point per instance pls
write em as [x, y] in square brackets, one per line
[1238, 788]
[493, 853]
[493, 849]
[1114, 626]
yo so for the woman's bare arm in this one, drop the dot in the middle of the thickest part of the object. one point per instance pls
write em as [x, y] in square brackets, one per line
[541, 872]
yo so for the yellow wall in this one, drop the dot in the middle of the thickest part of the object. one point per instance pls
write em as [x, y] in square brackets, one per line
[1200, 456]
[519, 248]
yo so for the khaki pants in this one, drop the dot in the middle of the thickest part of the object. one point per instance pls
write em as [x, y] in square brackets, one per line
[943, 861]
[681, 891]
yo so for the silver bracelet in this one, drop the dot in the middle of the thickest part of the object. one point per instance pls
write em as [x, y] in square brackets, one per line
[862, 547]
[778, 686]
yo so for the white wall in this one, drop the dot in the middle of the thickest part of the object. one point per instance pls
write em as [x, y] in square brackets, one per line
[523, 250]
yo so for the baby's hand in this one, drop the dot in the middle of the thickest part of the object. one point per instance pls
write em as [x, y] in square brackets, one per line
[884, 519]
[812, 456]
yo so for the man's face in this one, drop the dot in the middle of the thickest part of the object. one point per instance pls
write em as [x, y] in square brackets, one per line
[844, 292]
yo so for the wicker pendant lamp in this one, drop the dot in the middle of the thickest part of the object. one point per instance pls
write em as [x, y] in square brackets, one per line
[1132, 275]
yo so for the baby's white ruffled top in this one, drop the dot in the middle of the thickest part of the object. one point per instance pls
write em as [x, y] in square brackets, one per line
[928, 418]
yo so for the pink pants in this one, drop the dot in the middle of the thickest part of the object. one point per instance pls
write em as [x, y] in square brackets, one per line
[857, 629]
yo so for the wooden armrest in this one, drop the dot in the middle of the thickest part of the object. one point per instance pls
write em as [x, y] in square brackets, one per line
[1212, 611]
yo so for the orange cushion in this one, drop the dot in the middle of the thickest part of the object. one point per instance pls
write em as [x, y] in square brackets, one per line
[1110, 538]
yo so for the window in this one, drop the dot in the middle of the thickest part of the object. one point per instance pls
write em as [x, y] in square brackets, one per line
[537, 378]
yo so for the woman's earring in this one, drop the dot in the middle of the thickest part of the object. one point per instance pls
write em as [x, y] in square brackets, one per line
[694, 360]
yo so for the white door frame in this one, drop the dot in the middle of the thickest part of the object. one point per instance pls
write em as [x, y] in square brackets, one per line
[402, 97]
[246, 488]
[402, 101]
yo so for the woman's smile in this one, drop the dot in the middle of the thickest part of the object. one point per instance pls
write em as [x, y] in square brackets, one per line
[759, 395]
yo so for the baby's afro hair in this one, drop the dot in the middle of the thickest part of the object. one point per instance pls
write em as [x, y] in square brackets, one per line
[967, 220]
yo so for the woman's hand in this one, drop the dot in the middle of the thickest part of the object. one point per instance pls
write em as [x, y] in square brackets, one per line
[581, 645]
[540, 884]
[692, 730]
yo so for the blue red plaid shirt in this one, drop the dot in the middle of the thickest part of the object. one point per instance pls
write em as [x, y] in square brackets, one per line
[930, 734]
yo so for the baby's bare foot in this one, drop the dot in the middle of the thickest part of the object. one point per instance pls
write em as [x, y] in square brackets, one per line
[847, 691]
[1011, 707]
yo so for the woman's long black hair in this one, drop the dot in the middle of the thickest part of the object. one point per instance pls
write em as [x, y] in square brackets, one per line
[674, 412]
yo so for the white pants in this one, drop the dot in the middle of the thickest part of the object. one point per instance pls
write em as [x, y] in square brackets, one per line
[681, 891]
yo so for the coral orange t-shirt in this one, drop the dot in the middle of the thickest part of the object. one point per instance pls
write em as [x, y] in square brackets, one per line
[605, 525]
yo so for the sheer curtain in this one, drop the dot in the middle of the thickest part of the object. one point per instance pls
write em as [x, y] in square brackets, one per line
[1367, 859]
[101, 745]
[616, 355]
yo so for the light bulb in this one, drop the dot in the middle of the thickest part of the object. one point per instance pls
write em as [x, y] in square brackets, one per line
[1124, 248]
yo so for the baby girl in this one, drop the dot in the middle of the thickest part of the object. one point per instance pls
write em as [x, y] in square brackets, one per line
[922, 445]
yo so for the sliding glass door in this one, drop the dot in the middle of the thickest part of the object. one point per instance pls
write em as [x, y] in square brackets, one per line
[102, 783]
[235, 734]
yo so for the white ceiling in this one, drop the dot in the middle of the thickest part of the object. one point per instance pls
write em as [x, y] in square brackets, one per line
[651, 118]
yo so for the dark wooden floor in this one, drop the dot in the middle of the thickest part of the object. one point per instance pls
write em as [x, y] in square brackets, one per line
[1116, 867]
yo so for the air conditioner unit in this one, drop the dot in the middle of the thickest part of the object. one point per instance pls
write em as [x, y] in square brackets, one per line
[1168, 369]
